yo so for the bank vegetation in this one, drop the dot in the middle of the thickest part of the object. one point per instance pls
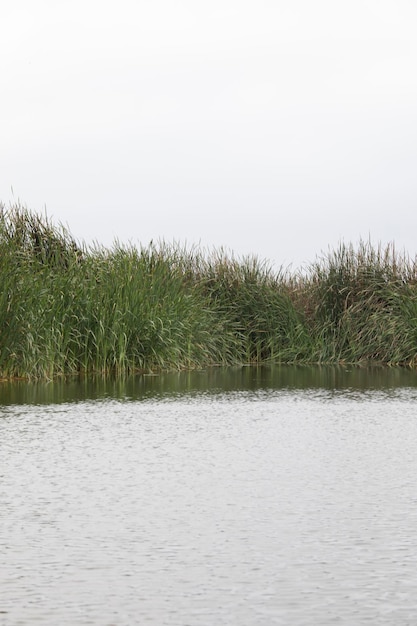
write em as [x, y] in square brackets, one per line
[66, 308]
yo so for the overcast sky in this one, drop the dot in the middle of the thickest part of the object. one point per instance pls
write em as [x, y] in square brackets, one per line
[271, 127]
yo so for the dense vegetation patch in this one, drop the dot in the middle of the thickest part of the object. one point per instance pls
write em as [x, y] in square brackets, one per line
[66, 308]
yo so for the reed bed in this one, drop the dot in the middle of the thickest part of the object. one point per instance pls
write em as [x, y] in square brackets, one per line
[66, 308]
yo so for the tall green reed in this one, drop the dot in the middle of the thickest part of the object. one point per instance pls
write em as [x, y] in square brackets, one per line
[257, 307]
[356, 300]
[69, 309]
[65, 309]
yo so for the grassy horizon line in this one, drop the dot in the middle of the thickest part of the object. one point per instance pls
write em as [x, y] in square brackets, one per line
[66, 308]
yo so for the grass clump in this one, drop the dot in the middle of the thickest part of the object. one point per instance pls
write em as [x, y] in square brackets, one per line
[256, 306]
[361, 305]
[69, 309]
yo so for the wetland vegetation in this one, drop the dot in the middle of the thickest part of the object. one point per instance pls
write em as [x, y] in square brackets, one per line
[68, 308]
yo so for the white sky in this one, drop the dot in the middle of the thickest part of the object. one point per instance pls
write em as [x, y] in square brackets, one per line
[271, 127]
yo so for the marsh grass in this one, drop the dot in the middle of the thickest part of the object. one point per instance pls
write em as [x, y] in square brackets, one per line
[256, 306]
[68, 309]
[361, 305]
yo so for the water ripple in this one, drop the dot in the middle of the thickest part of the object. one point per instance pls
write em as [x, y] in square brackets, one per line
[248, 508]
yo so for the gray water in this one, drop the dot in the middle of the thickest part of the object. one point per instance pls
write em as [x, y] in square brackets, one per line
[238, 497]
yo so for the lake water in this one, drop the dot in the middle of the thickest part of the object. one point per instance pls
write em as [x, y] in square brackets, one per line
[252, 496]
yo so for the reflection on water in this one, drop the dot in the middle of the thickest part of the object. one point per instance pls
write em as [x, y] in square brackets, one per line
[213, 380]
[270, 497]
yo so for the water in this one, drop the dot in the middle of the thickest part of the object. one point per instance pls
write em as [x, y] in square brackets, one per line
[230, 497]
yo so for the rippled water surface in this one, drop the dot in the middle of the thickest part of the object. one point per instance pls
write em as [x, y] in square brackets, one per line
[244, 499]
